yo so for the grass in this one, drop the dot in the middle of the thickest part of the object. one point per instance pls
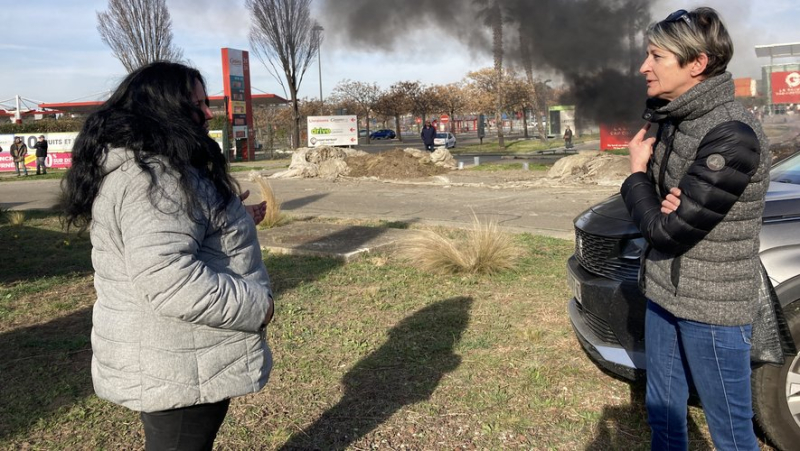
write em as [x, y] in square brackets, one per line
[483, 249]
[517, 145]
[373, 354]
[496, 167]
[52, 174]
[15, 218]
[274, 216]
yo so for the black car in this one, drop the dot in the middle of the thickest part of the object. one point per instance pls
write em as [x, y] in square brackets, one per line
[607, 309]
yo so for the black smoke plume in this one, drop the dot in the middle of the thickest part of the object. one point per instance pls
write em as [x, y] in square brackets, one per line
[595, 45]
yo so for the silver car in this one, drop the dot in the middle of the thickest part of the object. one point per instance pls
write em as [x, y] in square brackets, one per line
[607, 309]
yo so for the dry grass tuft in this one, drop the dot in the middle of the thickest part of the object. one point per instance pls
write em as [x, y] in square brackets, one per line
[484, 249]
[16, 218]
[275, 216]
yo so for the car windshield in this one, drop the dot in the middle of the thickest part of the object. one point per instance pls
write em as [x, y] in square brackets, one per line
[441, 135]
[787, 171]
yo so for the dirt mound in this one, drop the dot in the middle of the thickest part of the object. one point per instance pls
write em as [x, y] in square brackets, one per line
[394, 164]
[591, 168]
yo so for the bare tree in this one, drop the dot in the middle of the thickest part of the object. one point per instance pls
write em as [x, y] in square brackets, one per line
[394, 103]
[453, 98]
[363, 95]
[285, 39]
[138, 32]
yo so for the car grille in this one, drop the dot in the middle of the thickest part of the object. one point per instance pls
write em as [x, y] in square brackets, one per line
[598, 255]
[598, 326]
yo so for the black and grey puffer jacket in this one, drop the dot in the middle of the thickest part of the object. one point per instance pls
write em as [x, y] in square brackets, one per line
[702, 263]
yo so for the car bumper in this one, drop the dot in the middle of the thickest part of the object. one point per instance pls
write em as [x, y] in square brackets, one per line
[608, 319]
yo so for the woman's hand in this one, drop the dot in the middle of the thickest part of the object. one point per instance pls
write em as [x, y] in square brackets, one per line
[641, 150]
[270, 313]
[672, 201]
[256, 211]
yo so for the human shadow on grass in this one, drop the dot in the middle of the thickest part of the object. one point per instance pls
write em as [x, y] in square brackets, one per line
[625, 427]
[44, 368]
[31, 252]
[405, 370]
[300, 202]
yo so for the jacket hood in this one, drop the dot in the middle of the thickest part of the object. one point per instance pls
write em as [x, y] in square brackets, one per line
[114, 158]
[694, 103]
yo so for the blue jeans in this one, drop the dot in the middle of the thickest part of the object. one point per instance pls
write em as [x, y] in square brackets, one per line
[713, 359]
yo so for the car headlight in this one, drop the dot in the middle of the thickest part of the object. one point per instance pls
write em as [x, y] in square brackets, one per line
[632, 249]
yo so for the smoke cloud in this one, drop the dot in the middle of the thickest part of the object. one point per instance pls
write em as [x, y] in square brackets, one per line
[595, 45]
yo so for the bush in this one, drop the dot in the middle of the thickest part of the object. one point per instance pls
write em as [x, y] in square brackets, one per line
[485, 249]
[44, 126]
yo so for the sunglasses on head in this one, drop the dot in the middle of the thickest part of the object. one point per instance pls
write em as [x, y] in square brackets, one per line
[679, 15]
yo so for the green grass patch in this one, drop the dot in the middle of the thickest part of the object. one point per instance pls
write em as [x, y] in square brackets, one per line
[52, 174]
[372, 354]
[496, 167]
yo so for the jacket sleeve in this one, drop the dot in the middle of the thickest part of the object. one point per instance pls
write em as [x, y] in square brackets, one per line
[161, 249]
[727, 158]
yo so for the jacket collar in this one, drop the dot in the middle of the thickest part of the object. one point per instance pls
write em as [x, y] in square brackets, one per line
[694, 103]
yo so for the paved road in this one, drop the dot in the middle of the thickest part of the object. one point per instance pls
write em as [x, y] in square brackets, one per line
[444, 200]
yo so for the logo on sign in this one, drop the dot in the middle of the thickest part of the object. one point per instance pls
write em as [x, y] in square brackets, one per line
[235, 61]
[793, 80]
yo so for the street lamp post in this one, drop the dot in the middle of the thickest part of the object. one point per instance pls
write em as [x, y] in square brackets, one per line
[318, 30]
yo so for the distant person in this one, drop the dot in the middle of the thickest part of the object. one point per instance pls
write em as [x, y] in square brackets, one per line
[18, 152]
[183, 296]
[568, 138]
[41, 154]
[428, 134]
[696, 193]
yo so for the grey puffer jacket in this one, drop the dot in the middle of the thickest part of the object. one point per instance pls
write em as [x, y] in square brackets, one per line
[702, 263]
[180, 304]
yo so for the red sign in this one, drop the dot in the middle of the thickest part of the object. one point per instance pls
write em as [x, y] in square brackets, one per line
[614, 137]
[444, 118]
[785, 87]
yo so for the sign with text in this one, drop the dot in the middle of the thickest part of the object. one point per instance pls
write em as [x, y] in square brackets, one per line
[785, 87]
[59, 150]
[236, 81]
[613, 137]
[332, 131]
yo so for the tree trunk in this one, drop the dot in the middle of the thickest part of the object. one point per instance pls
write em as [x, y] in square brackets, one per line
[525, 123]
[295, 117]
[397, 126]
[368, 138]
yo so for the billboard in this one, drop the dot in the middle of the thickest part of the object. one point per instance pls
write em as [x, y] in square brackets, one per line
[785, 87]
[59, 150]
[613, 137]
[236, 80]
[332, 131]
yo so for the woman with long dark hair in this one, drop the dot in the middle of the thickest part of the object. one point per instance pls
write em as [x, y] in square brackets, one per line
[183, 296]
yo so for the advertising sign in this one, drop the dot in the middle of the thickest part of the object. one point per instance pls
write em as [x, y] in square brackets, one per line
[332, 131]
[614, 137]
[236, 80]
[59, 150]
[785, 87]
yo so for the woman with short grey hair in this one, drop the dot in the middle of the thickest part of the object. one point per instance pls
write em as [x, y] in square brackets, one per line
[696, 192]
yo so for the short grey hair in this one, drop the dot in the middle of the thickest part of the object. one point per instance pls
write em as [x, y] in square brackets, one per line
[703, 32]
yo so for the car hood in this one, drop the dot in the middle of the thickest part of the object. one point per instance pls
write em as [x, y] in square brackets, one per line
[610, 217]
[783, 201]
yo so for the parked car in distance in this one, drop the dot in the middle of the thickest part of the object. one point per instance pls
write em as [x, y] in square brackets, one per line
[383, 134]
[446, 139]
[363, 133]
[607, 309]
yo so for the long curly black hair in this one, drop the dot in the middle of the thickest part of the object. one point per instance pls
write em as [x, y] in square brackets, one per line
[151, 113]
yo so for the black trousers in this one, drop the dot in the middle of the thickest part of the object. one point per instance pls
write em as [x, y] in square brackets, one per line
[185, 428]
